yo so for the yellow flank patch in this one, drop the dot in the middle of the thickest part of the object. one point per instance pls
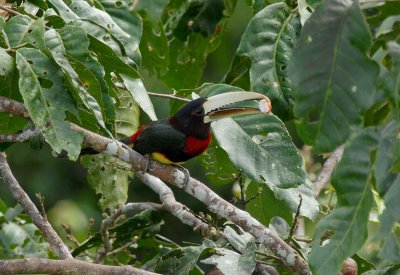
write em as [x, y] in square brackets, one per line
[163, 159]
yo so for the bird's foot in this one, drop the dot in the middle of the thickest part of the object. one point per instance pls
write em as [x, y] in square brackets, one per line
[147, 166]
[186, 173]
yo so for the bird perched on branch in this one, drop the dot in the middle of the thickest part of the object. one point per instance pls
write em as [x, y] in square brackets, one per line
[187, 133]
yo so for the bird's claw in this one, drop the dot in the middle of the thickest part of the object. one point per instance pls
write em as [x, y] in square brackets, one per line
[186, 173]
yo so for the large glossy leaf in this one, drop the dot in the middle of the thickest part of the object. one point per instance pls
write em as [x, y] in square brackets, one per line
[41, 86]
[193, 30]
[268, 41]
[340, 234]
[332, 77]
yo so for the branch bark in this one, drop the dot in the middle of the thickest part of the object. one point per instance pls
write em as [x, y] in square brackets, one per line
[216, 204]
[326, 172]
[22, 198]
[67, 266]
[23, 136]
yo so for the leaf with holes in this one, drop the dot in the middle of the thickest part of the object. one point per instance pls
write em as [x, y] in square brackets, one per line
[108, 179]
[127, 116]
[268, 41]
[80, 81]
[340, 234]
[21, 30]
[332, 77]
[47, 100]
[130, 77]
[130, 23]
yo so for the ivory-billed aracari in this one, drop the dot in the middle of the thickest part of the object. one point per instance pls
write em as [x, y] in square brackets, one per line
[187, 133]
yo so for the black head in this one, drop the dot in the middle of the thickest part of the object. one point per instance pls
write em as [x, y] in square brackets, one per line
[190, 119]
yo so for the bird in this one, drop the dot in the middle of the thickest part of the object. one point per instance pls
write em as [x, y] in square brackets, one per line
[187, 134]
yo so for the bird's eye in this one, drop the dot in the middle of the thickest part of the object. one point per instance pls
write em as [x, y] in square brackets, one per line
[199, 111]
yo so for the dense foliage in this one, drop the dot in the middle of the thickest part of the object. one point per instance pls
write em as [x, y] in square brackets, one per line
[331, 69]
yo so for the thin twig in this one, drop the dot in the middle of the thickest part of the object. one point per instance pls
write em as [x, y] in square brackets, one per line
[295, 220]
[22, 198]
[41, 201]
[67, 266]
[326, 172]
[169, 96]
[10, 11]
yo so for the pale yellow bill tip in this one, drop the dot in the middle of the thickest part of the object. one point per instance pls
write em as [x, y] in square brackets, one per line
[265, 106]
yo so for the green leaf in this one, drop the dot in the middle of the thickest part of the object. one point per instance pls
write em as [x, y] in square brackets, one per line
[127, 116]
[152, 9]
[129, 75]
[46, 100]
[154, 46]
[391, 80]
[7, 63]
[340, 234]
[270, 36]
[231, 262]
[144, 225]
[191, 255]
[388, 183]
[130, 23]
[238, 241]
[107, 178]
[81, 82]
[193, 30]
[265, 205]
[22, 241]
[10, 124]
[73, 35]
[332, 93]
[21, 29]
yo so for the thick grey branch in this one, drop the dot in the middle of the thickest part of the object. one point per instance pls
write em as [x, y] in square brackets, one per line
[23, 136]
[326, 172]
[68, 266]
[22, 198]
[171, 205]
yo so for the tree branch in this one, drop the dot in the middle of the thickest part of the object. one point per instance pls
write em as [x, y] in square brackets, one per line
[13, 107]
[216, 204]
[169, 96]
[326, 172]
[67, 266]
[22, 198]
[175, 208]
[23, 136]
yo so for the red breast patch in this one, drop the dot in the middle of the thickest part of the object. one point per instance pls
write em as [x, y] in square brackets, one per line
[194, 146]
